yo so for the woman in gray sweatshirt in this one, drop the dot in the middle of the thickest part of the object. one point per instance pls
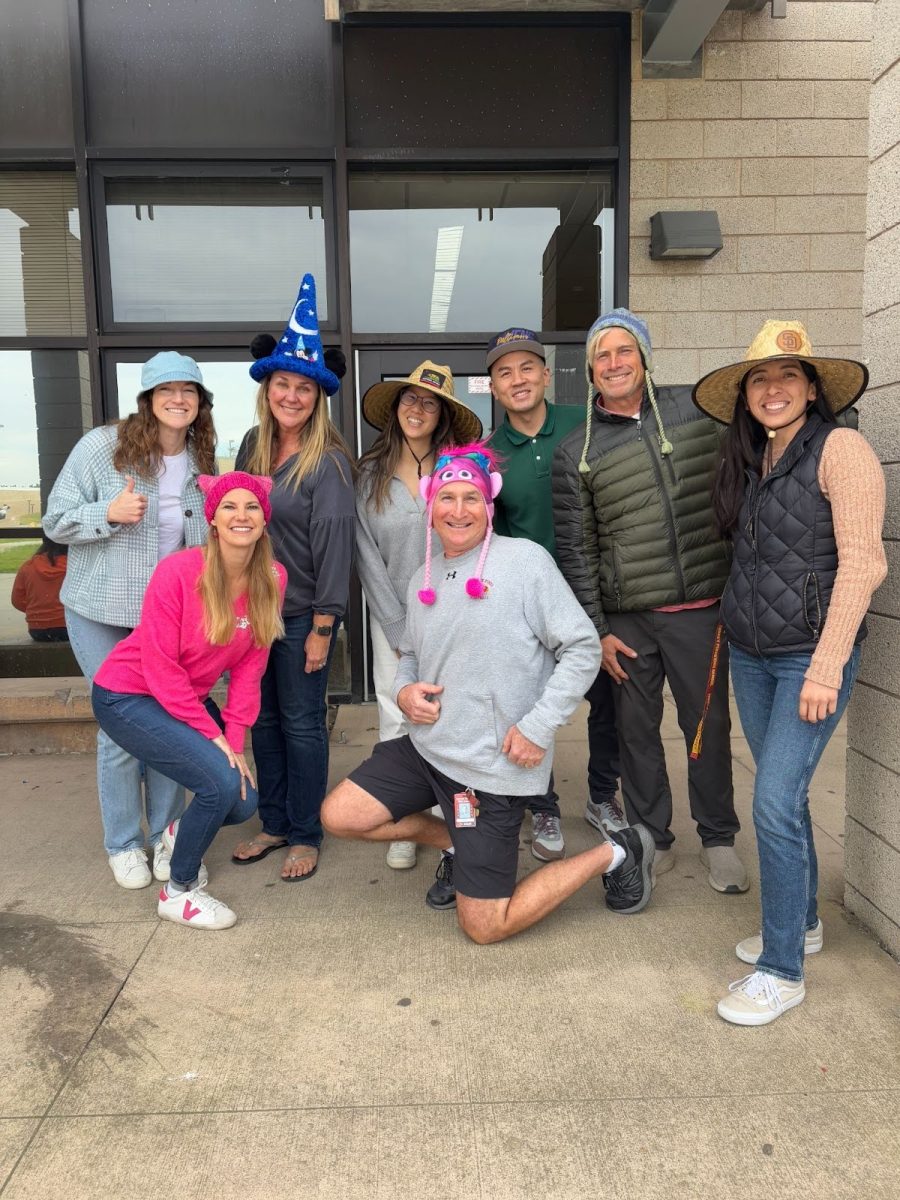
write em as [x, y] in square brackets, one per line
[416, 417]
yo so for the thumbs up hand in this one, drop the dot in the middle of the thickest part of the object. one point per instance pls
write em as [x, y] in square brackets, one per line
[128, 507]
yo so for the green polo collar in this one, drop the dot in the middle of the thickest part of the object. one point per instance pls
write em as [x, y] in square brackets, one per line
[519, 439]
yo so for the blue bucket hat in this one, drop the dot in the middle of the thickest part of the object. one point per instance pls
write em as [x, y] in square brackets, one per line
[168, 367]
[300, 349]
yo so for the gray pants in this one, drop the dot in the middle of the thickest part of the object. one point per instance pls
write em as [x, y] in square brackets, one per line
[676, 647]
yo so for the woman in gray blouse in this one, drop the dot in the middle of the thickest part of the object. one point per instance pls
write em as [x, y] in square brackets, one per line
[417, 417]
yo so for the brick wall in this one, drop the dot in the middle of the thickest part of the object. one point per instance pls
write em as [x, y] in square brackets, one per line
[872, 838]
[774, 138]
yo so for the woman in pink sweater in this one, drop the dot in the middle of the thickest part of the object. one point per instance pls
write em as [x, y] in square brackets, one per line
[207, 610]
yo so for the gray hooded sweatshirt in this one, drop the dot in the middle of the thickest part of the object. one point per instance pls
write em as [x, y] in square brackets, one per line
[523, 655]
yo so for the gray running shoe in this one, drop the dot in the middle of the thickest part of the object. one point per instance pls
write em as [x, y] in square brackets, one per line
[547, 840]
[607, 816]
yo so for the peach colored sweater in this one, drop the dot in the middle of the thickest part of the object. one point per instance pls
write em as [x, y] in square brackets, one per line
[851, 478]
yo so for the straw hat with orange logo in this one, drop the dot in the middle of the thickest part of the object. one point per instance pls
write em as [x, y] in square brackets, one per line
[431, 377]
[843, 379]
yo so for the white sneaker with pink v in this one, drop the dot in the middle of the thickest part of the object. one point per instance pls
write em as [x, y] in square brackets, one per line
[195, 908]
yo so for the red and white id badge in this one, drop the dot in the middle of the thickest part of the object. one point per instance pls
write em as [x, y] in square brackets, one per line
[465, 809]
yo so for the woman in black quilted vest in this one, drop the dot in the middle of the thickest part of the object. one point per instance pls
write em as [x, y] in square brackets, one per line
[802, 499]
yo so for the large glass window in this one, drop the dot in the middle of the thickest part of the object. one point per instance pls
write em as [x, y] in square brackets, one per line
[41, 285]
[441, 252]
[213, 250]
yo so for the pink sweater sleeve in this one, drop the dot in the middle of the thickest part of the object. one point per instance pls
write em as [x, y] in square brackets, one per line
[851, 477]
[242, 703]
[162, 622]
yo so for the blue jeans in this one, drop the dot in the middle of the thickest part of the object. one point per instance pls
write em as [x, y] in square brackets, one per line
[786, 751]
[118, 772]
[290, 738]
[143, 727]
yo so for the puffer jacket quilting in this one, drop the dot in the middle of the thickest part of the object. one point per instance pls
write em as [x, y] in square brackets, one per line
[637, 531]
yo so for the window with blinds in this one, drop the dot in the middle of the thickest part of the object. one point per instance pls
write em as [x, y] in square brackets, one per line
[41, 284]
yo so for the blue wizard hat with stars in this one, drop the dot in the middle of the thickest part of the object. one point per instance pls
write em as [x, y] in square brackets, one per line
[300, 348]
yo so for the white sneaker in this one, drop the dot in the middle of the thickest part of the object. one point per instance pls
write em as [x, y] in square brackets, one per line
[162, 862]
[130, 868]
[162, 856]
[750, 949]
[195, 908]
[760, 998]
[401, 855]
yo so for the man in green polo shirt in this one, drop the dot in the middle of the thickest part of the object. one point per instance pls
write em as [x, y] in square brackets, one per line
[525, 440]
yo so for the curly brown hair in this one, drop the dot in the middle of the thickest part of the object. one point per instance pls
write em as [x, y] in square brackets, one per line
[138, 450]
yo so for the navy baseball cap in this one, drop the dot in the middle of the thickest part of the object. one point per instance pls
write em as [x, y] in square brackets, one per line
[513, 339]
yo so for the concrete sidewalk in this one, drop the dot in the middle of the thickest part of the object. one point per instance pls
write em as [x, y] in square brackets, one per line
[345, 1041]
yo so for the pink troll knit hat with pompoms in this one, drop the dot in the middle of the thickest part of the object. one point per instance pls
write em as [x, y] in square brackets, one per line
[476, 464]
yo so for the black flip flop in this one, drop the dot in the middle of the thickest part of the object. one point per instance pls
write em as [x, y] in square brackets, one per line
[243, 862]
[308, 875]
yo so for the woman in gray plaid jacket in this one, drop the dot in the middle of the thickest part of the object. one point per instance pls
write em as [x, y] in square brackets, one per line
[126, 497]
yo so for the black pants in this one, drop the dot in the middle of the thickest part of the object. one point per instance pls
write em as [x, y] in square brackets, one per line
[603, 749]
[674, 647]
[603, 741]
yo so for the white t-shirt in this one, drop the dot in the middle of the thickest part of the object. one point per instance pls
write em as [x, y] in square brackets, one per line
[172, 474]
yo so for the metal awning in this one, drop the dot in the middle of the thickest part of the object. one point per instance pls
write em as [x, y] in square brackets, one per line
[673, 31]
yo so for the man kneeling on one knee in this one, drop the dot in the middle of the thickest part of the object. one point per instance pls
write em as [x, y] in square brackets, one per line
[496, 656]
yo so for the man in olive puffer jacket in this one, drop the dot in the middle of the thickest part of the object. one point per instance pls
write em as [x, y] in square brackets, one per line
[636, 542]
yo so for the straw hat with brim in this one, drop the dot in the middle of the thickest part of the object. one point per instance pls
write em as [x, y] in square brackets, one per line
[843, 379]
[431, 377]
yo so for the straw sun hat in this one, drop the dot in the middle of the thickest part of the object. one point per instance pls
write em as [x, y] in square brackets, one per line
[843, 379]
[431, 377]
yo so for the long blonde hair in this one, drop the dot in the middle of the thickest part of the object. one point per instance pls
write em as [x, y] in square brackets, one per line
[263, 595]
[320, 436]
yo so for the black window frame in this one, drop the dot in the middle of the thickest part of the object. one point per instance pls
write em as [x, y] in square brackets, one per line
[273, 169]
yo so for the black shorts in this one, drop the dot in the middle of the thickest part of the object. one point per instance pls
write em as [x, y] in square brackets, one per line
[487, 857]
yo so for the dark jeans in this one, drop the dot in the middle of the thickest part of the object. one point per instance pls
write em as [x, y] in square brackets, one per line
[140, 725]
[603, 740]
[674, 647]
[290, 738]
[49, 635]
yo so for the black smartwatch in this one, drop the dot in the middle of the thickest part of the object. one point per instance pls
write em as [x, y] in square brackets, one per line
[323, 630]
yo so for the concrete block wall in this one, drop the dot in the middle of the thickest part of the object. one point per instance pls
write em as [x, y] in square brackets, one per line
[774, 137]
[872, 834]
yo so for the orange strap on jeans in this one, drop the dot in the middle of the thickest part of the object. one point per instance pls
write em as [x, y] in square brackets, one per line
[697, 747]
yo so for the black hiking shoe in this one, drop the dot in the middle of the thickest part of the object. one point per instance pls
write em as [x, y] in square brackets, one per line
[628, 887]
[442, 893]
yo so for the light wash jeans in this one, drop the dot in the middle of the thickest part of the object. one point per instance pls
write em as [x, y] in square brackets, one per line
[118, 773]
[786, 751]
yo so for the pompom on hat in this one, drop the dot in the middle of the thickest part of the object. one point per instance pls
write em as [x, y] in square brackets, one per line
[214, 487]
[843, 379]
[475, 464]
[300, 350]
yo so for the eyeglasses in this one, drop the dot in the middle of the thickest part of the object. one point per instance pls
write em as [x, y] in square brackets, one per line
[430, 404]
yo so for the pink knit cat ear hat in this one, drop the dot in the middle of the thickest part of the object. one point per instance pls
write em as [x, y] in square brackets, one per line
[475, 464]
